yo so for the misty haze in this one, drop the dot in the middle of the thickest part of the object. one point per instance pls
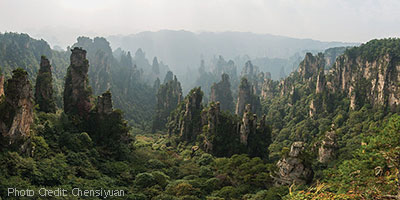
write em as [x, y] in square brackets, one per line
[193, 100]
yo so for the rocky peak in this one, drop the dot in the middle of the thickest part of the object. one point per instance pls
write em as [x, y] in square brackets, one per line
[248, 126]
[211, 117]
[328, 147]
[186, 121]
[311, 65]
[168, 77]
[221, 92]
[44, 87]
[267, 88]
[249, 70]
[17, 115]
[76, 90]
[246, 96]
[104, 104]
[169, 95]
[193, 109]
[155, 66]
[320, 87]
[292, 168]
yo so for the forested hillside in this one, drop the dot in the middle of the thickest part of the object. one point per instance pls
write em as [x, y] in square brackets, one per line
[95, 119]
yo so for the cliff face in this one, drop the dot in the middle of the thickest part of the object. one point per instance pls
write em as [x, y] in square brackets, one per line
[221, 92]
[246, 96]
[248, 125]
[327, 150]
[365, 80]
[169, 95]
[17, 109]
[292, 168]
[190, 126]
[44, 87]
[104, 104]
[76, 91]
[186, 121]
[311, 65]
[1, 86]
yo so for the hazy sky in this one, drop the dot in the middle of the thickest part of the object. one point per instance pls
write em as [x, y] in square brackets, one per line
[60, 21]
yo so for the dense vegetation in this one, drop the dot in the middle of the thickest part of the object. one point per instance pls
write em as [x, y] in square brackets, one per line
[100, 150]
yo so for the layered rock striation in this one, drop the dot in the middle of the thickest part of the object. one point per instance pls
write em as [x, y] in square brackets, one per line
[76, 91]
[17, 109]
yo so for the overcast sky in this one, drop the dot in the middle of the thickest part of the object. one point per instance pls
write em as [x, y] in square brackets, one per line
[60, 21]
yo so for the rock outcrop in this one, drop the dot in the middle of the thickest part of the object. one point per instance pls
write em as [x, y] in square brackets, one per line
[268, 88]
[104, 104]
[168, 97]
[17, 113]
[189, 125]
[320, 87]
[248, 125]
[311, 65]
[44, 87]
[246, 96]
[367, 78]
[292, 168]
[187, 120]
[249, 71]
[326, 151]
[76, 91]
[226, 135]
[221, 92]
[1, 85]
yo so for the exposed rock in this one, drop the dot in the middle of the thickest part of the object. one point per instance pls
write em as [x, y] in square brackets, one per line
[268, 89]
[76, 91]
[190, 126]
[292, 168]
[212, 118]
[246, 96]
[226, 135]
[168, 97]
[248, 126]
[313, 109]
[249, 71]
[311, 65]
[17, 113]
[221, 92]
[104, 104]
[365, 80]
[1, 86]
[326, 151]
[320, 87]
[220, 66]
[44, 87]
[331, 54]
[186, 121]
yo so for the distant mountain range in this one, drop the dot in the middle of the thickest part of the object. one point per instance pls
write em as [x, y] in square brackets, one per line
[183, 49]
